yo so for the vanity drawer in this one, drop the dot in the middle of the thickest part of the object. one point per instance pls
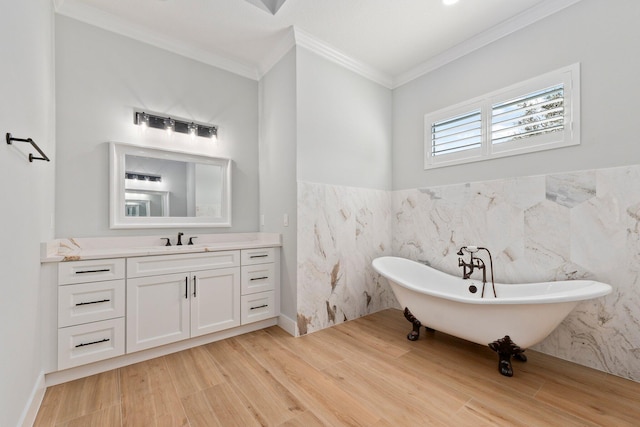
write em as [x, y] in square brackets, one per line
[257, 256]
[257, 307]
[90, 271]
[167, 264]
[257, 278]
[90, 302]
[91, 342]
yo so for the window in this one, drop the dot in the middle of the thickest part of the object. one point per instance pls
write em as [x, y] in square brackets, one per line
[539, 114]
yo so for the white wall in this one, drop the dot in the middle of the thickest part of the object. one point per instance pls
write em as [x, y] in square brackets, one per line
[321, 123]
[344, 125]
[278, 169]
[602, 36]
[343, 172]
[101, 77]
[26, 84]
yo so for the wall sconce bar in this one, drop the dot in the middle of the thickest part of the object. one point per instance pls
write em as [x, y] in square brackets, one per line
[175, 125]
[143, 176]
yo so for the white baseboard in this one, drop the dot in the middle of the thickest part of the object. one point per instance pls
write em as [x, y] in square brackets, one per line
[33, 405]
[288, 324]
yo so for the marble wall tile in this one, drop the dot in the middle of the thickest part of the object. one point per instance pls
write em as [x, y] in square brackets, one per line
[340, 231]
[547, 239]
[571, 189]
[556, 227]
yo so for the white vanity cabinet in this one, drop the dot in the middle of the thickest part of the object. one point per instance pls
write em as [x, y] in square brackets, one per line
[91, 309]
[111, 307]
[175, 297]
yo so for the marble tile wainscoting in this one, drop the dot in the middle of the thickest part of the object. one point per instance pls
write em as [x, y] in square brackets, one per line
[340, 231]
[554, 227]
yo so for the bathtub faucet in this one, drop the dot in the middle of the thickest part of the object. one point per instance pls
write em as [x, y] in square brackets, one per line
[476, 262]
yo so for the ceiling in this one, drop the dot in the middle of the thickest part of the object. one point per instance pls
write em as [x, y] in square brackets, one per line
[389, 41]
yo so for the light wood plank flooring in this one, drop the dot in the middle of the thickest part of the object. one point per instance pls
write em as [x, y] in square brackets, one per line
[360, 373]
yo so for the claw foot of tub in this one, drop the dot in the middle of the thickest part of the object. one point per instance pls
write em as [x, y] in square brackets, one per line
[415, 333]
[505, 349]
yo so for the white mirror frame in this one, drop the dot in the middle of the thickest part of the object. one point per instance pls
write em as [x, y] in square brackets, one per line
[117, 153]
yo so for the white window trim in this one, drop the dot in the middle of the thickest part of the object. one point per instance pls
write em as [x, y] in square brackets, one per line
[570, 136]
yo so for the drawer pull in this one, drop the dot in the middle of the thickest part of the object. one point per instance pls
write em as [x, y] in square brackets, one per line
[259, 256]
[102, 270]
[92, 302]
[260, 306]
[259, 278]
[91, 343]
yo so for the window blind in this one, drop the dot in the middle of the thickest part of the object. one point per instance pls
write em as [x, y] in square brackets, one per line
[462, 132]
[530, 115]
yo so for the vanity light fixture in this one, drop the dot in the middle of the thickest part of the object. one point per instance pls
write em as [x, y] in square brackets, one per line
[194, 129]
[143, 176]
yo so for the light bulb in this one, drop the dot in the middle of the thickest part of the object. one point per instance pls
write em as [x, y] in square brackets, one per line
[143, 121]
[193, 130]
[169, 124]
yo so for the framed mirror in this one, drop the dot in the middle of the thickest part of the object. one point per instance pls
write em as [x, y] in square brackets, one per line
[154, 188]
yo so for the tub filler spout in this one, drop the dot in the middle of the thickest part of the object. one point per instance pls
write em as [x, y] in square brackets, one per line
[522, 314]
[476, 262]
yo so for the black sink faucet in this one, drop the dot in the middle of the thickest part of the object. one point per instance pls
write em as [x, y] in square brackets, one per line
[180, 239]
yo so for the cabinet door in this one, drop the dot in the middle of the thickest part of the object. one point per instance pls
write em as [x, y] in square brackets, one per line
[215, 300]
[157, 310]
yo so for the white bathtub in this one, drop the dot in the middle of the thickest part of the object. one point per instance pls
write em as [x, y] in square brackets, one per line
[527, 313]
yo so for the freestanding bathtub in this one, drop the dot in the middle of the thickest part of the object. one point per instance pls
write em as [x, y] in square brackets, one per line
[520, 315]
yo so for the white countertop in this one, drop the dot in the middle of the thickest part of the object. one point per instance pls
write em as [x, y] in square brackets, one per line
[81, 248]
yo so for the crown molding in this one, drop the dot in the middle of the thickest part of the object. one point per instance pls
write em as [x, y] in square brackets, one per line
[76, 10]
[296, 37]
[309, 42]
[522, 20]
[279, 51]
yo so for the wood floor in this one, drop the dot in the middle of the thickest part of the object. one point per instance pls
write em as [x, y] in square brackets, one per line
[361, 373]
